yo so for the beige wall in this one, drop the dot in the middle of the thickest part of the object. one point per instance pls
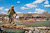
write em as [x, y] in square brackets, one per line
[20, 14]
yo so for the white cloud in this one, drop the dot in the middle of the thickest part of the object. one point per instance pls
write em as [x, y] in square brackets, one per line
[46, 2]
[30, 5]
[46, 5]
[35, 12]
[38, 1]
[1, 8]
[23, 8]
[29, 12]
[34, 4]
[6, 9]
[3, 12]
[18, 1]
[18, 12]
[39, 11]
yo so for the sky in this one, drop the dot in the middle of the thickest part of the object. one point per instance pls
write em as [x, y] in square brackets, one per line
[25, 6]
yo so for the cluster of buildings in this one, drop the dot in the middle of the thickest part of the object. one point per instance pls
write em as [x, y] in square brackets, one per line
[3, 17]
[34, 15]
